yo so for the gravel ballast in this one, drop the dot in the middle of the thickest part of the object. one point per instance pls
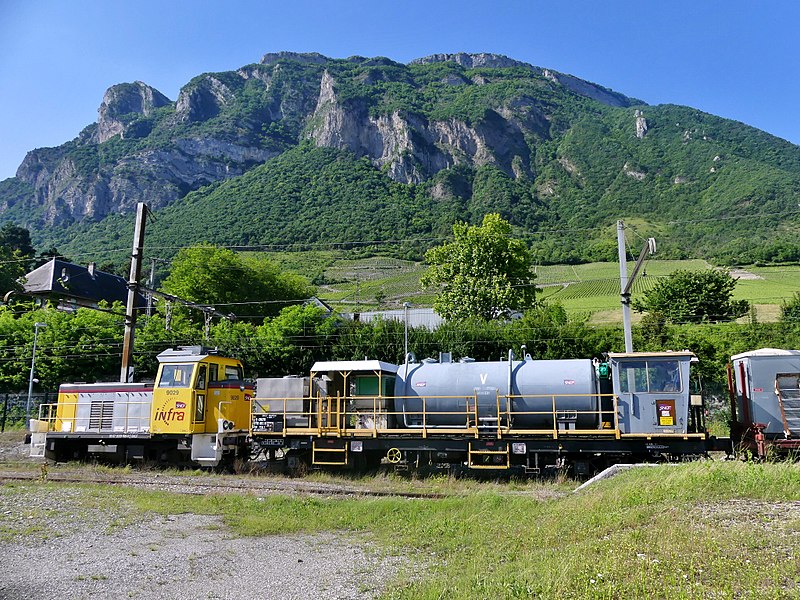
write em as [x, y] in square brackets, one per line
[52, 548]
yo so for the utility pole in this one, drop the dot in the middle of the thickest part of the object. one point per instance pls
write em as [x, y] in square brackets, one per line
[406, 306]
[126, 372]
[31, 379]
[151, 283]
[625, 282]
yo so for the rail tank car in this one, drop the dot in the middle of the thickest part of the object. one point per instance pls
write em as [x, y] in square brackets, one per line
[525, 392]
[517, 414]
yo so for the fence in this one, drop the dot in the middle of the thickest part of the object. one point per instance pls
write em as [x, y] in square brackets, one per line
[12, 412]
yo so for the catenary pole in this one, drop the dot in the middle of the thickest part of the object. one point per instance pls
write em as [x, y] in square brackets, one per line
[126, 372]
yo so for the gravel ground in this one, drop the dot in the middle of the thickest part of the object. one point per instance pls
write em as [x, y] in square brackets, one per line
[51, 549]
[54, 546]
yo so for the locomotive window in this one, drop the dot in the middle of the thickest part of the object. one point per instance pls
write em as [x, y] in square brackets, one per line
[651, 377]
[213, 372]
[233, 372]
[176, 376]
[201, 378]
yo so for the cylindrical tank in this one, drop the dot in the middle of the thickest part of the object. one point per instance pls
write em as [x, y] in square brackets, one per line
[451, 387]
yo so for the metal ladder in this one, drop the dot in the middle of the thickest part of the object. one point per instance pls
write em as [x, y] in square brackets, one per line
[329, 453]
[485, 458]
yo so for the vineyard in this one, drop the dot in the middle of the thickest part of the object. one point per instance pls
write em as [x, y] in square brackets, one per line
[592, 289]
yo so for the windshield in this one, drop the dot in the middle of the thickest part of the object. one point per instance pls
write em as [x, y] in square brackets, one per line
[651, 376]
[178, 376]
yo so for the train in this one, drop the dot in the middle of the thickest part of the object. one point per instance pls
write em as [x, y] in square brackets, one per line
[515, 415]
[194, 413]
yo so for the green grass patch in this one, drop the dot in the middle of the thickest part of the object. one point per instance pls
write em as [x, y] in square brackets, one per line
[689, 531]
[700, 530]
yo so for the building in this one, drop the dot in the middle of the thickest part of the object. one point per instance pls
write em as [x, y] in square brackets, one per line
[74, 286]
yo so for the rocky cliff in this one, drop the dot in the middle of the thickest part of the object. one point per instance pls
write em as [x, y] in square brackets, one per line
[412, 121]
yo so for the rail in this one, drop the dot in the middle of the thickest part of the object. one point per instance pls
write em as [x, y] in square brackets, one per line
[500, 415]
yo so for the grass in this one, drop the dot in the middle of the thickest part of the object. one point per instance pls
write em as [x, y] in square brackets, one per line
[589, 289]
[700, 530]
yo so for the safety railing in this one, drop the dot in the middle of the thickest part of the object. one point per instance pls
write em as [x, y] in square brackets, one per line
[474, 415]
[105, 416]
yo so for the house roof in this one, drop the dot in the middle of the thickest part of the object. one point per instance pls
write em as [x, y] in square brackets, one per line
[84, 285]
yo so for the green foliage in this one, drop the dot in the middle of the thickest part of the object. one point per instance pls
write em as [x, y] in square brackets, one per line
[17, 239]
[248, 287]
[694, 297]
[790, 311]
[84, 346]
[12, 269]
[482, 273]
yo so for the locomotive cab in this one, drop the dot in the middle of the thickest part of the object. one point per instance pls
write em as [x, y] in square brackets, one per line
[653, 391]
[201, 396]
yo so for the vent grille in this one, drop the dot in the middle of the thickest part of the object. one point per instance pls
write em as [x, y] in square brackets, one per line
[101, 416]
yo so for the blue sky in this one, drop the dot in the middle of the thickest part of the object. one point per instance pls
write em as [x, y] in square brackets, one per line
[736, 58]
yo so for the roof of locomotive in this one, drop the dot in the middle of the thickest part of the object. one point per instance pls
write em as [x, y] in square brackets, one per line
[766, 352]
[190, 354]
[353, 365]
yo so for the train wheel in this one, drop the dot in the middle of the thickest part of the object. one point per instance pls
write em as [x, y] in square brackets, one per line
[394, 456]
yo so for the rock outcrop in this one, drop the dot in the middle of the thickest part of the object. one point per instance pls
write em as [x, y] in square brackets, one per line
[223, 124]
[410, 148]
[203, 99]
[641, 124]
[122, 103]
[472, 61]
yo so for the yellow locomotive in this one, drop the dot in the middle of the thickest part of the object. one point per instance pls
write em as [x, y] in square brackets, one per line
[196, 412]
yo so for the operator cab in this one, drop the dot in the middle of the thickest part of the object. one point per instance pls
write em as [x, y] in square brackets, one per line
[195, 390]
[654, 392]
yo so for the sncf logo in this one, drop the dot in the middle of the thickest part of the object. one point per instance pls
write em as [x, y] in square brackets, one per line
[180, 405]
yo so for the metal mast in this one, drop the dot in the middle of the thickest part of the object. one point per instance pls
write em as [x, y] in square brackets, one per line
[625, 282]
[126, 372]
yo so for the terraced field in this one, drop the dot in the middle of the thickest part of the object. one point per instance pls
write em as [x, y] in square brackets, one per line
[590, 289]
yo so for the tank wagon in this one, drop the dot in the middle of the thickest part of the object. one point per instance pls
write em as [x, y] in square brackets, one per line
[197, 412]
[764, 388]
[517, 414]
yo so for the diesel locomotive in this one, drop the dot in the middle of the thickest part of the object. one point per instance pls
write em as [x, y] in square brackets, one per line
[197, 412]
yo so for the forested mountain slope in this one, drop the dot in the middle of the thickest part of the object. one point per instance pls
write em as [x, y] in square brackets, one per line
[301, 149]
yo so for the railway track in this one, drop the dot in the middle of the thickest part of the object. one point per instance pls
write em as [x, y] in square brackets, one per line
[197, 485]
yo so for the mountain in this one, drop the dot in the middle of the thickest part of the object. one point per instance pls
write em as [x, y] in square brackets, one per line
[302, 149]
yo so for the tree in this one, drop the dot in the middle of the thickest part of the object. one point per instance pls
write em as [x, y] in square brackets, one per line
[482, 273]
[17, 238]
[790, 311]
[250, 288]
[694, 297]
[12, 268]
[15, 254]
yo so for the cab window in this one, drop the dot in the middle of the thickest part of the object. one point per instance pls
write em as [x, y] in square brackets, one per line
[213, 372]
[654, 377]
[233, 372]
[201, 378]
[176, 376]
